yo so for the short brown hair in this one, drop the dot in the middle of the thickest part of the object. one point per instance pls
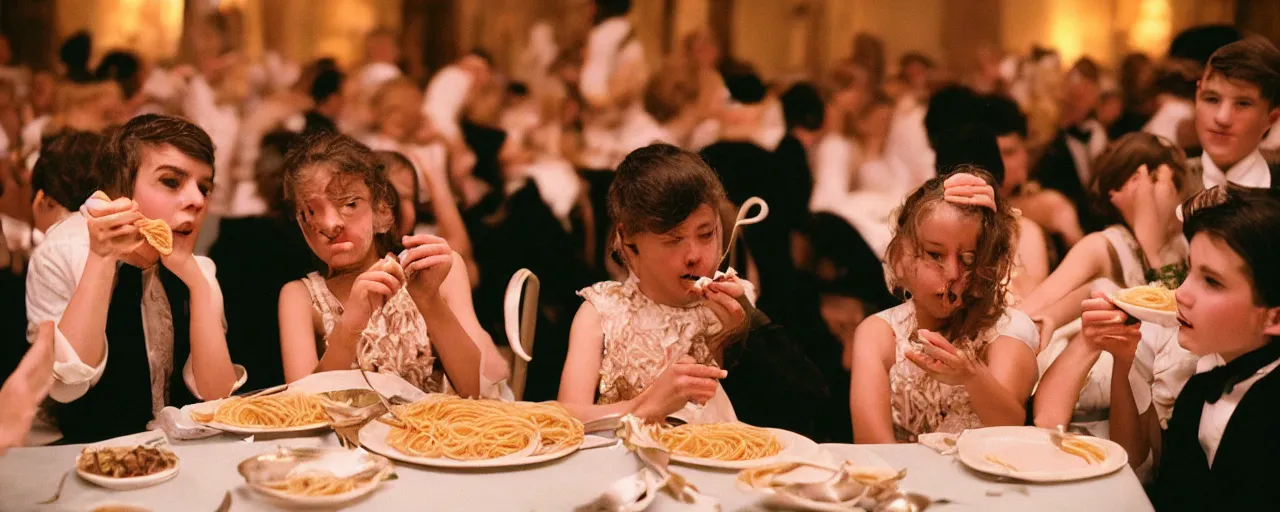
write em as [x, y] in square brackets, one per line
[1121, 160]
[659, 186]
[117, 166]
[1254, 60]
[64, 171]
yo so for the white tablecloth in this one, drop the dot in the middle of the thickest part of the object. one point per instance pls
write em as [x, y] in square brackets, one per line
[208, 471]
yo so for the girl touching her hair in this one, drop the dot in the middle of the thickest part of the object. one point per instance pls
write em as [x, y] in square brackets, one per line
[953, 356]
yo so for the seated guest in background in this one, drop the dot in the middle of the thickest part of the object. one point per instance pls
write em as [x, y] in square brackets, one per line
[95, 270]
[748, 170]
[250, 283]
[1215, 449]
[327, 102]
[1052, 212]
[1237, 101]
[1065, 164]
[63, 178]
[804, 112]
[954, 356]
[1076, 382]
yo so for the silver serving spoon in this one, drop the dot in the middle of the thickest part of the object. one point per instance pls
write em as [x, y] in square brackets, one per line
[908, 502]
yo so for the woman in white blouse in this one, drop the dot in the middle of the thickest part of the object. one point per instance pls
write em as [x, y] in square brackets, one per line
[98, 271]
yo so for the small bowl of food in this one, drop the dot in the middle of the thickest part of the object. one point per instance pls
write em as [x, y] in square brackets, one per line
[315, 477]
[126, 467]
[1149, 303]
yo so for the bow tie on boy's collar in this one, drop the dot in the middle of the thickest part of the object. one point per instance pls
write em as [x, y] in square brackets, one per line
[1221, 380]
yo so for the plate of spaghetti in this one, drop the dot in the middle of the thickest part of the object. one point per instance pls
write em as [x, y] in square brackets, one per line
[315, 477]
[453, 432]
[1029, 454]
[279, 413]
[733, 445]
[1149, 303]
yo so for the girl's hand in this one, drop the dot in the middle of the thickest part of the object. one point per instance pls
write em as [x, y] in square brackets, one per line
[685, 381]
[942, 360]
[370, 291]
[725, 298]
[426, 260]
[112, 234]
[1106, 328]
[964, 188]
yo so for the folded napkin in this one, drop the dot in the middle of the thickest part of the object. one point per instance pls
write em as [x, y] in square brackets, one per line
[178, 426]
[941, 442]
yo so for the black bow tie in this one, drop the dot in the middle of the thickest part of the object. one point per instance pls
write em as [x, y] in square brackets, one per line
[1221, 380]
[1078, 133]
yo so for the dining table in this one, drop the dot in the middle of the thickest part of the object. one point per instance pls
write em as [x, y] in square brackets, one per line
[208, 475]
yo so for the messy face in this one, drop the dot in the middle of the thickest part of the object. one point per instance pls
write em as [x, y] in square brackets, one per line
[936, 267]
[1231, 118]
[668, 264]
[175, 188]
[339, 218]
[1217, 306]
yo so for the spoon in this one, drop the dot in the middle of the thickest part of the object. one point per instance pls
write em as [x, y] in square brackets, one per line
[385, 403]
[908, 502]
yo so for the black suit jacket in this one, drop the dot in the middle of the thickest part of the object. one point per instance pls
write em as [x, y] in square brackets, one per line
[1057, 170]
[1243, 472]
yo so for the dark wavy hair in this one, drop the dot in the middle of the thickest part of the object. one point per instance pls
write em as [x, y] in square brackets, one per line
[985, 298]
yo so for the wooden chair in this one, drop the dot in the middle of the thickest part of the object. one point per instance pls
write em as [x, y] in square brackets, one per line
[520, 319]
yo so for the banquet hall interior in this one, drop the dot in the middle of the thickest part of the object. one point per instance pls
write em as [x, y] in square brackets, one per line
[639, 254]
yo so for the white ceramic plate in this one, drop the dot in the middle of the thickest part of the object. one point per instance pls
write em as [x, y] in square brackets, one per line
[795, 447]
[211, 406]
[374, 437]
[1155, 316]
[858, 456]
[128, 484]
[1031, 451]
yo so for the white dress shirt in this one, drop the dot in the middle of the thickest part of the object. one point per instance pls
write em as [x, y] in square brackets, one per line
[1215, 416]
[374, 74]
[53, 274]
[908, 142]
[1161, 367]
[1171, 114]
[1082, 154]
[446, 95]
[1252, 171]
[605, 52]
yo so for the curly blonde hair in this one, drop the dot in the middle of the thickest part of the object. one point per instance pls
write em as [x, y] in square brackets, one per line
[985, 298]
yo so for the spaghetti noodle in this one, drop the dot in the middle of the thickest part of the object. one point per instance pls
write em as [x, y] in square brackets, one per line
[1150, 297]
[317, 483]
[1091, 453]
[271, 411]
[462, 429]
[720, 441]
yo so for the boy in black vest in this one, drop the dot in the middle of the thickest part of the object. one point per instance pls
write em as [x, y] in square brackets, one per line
[158, 308]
